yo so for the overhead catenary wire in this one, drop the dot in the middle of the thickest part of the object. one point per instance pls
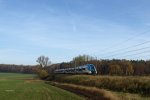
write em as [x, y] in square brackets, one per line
[130, 47]
[124, 52]
[129, 39]
[141, 56]
[137, 53]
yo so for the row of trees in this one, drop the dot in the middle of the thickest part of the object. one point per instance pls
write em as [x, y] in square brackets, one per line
[108, 67]
[104, 67]
[38, 69]
[17, 68]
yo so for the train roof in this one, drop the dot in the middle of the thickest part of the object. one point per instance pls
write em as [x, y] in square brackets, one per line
[78, 67]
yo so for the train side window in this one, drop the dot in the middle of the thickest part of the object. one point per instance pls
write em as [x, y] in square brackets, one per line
[83, 68]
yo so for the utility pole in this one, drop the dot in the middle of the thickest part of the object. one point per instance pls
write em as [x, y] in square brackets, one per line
[75, 66]
[96, 62]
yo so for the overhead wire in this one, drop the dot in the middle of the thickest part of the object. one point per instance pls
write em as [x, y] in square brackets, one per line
[119, 50]
[137, 53]
[129, 39]
[124, 52]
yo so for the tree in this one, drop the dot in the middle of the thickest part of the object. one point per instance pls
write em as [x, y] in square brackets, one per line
[41, 71]
[83, 58]
[127, 67]
[115, 69]
[129, 70]
[43, 61]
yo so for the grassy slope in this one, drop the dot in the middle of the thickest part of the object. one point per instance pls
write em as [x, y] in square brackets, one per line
[24, 87]
[110, 81]
[91, 92]
[130, 84]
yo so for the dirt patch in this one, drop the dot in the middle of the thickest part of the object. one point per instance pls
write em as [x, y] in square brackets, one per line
[32, 81]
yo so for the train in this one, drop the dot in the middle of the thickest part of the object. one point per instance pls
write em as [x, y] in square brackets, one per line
[85, 69]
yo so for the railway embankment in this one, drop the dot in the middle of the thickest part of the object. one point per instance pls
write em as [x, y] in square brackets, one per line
[91, 93]
[127, 84]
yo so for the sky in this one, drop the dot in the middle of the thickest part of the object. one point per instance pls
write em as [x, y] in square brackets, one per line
[63, 29]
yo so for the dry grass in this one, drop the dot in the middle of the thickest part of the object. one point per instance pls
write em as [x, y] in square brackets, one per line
[91, 92]
[117, 83]
[32, 81]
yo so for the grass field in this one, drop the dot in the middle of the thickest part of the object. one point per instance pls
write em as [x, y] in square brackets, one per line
[25, 87]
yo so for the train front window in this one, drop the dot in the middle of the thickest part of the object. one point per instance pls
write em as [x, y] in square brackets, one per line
[89, 67]
[92, 68]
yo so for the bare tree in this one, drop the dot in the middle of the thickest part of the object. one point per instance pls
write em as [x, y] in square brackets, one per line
[43, 61]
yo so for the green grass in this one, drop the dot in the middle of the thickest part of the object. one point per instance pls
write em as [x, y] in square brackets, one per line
[25, 87]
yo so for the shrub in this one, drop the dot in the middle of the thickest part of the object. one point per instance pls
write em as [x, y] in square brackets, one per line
[42, 73]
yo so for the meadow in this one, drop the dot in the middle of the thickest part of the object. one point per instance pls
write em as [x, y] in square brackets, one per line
[26, 87]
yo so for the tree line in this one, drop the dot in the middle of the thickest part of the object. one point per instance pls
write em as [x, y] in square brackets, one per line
[18, 68]
[104, 67]
[108, 67]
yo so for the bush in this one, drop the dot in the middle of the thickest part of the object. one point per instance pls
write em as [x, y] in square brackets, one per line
[42, 73]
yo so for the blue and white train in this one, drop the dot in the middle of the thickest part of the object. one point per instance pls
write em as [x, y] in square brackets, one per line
[86, 69]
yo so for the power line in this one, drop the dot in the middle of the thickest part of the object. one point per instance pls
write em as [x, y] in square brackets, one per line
[137, 53]
[119, 50]
[128, 51]
[131, 38]
[144, 56]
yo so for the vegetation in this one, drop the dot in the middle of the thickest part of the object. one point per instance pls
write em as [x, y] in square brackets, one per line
[82, 58]
[43, 61]
[42, 73]
[109, 67]
[90, 92]
[104, 67]
[40, 70]
[129, 84]
[129, 96]
[125, 82]
[18, 68]
[25, 87]
[101, 94]
[115, 75]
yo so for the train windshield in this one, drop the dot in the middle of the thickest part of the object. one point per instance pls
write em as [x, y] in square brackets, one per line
[91, 67]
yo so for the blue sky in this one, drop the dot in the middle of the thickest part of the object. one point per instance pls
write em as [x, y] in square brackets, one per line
[63, 29]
